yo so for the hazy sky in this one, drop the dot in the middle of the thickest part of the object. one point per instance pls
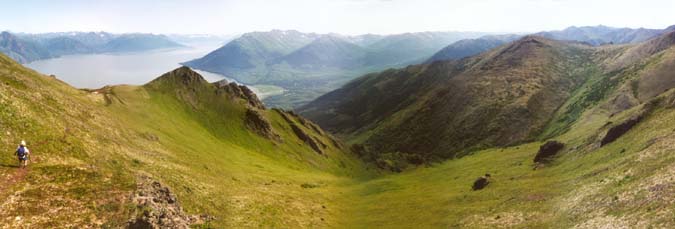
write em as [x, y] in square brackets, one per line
[341, 16]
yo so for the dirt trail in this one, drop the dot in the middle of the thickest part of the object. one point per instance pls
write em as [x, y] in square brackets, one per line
[16, 175]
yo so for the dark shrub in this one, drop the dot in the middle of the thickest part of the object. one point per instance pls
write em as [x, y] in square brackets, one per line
[547, 151]
[618, 130]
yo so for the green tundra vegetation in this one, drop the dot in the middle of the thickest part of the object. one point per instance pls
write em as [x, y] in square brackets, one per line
[223, 154]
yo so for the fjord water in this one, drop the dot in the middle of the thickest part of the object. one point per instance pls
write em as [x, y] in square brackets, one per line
[136, 68]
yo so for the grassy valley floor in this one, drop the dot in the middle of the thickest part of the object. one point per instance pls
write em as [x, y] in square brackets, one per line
[89, 148]
[624, 184]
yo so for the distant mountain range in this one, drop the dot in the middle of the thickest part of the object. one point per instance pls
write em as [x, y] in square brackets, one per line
[26, 48]
[326, 51]
[599, 35]
[310, 64]
[316, 51]
[188, 39]
[593, 35]
[529, 89]
[22, 50]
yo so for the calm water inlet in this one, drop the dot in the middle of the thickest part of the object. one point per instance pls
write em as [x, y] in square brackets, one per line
[98, 70]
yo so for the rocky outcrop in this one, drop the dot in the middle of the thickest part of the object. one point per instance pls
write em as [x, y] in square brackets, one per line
[547, 151]
[313, 126]
[284, 115]
[291, 117]
[240, 91]
[315, 144]
[256, 122]
[157, 207]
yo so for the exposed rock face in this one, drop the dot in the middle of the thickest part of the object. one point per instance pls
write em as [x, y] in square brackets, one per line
[284, 115]
[315, 144]
[618, 130]
[157, 207]
[256, 122]
[547, 151]
[242, 92]
[291, 117]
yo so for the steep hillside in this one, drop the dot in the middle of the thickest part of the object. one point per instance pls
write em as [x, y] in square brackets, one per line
[470, 47]
[624, 184]
[180, 151]
[411, 48]
[627, 76]
[614, 170]
[441, 110]
[251, 50]
[326, 52]
[21, 50]
[205, 154]
[533, 88]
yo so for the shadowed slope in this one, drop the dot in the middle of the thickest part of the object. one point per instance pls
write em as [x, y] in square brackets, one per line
[439, 110]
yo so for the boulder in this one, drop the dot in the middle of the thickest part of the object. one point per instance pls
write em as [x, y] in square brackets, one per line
[547, 151]
[159, 208]
[481, 182]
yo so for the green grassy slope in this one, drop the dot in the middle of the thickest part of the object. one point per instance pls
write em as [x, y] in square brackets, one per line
[88, 148]
[624, 184]
[627, 183]
[533, 88]
[77, 175]
[445, 109]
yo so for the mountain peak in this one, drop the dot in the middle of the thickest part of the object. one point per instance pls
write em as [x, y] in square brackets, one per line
[5, 35]
[189, 85]
[180, 76]
[527, 44]
[328, 38]
[240, 91]
[670, 28]
[659, 43]
[532, 39]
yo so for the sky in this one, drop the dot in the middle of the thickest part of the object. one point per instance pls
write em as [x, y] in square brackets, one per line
[227, 17]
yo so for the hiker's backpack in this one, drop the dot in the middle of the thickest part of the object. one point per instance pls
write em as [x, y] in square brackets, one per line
[21, 152]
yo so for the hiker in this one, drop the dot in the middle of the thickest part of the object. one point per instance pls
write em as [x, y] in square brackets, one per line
[22, 152]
